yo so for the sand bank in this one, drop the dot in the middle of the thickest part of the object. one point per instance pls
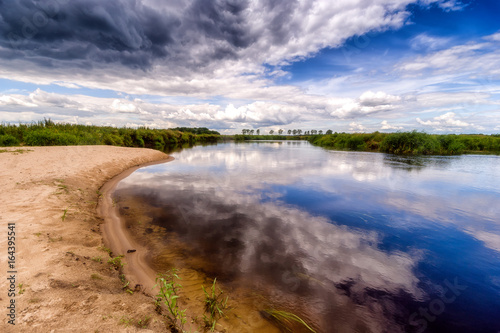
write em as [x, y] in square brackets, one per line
[51, 194]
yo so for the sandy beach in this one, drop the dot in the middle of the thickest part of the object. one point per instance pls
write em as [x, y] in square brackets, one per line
[63, 281]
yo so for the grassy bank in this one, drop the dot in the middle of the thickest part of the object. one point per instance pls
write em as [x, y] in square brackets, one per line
[411, 143]
[48, 133]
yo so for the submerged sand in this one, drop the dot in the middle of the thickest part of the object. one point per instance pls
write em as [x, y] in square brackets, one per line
[51, 195]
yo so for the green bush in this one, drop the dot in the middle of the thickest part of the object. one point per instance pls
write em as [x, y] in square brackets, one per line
[8, 140]
[48, 133]
[49, 138]
[414, 143]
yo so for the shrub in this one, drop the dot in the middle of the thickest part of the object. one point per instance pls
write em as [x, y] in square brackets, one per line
[46, 137]
[8, 140]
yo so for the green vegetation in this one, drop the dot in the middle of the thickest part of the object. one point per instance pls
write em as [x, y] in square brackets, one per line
[21, 289]
[195, 130]
[48, 133]
[285, 320]
[215, 305]
[411, 143]
[116, 262]
[168, 296]
[139, 323]
[65, 212]
[126, 284]
[97, 259]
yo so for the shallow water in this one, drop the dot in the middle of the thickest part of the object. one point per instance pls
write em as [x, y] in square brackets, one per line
[352, 242]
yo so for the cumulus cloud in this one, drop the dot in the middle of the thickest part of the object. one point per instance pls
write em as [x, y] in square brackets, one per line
[355, 127]
[41, 97]
[387, 126]
[446, 120]
[12, 100]
[368, 103]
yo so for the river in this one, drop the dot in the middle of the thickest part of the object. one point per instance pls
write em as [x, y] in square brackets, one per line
[349, 241]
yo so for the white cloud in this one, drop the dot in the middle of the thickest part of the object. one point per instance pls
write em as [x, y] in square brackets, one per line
[15, 100]
[355, 127]
[475, 59]
[387, 126]
[44, 98]
[426, 42]
[494, 37]
[122, 106]
[446, 120]
[368, 103]
[66, 84]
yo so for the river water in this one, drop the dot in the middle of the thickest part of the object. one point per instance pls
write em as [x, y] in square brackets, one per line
[349, 241]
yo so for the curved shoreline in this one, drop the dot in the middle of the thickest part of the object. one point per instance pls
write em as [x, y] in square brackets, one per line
[63, 280]
[116, 237]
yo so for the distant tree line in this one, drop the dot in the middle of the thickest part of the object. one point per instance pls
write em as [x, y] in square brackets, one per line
[195, 130]
[281, 131]
[412, 143]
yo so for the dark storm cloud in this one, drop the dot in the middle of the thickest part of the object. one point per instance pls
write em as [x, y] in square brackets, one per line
[127, 31]
[221, 20]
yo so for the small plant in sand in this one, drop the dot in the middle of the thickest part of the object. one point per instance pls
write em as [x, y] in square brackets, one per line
[65, 211]
[97, 259]
[126, 284]
[144, 322]
[106, 249]
[215, 304]
[285, 320]
[21, 289]
[116, 262]
[167, 296]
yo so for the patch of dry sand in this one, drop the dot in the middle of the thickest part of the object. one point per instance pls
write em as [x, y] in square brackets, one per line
[68, 285]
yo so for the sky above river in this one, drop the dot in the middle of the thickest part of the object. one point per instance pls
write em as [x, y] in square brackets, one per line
[344, 65]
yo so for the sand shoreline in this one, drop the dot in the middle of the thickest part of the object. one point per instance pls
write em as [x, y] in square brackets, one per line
[116, 237]
[66, 284]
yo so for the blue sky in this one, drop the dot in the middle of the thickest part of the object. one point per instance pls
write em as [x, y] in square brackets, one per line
[353, 66]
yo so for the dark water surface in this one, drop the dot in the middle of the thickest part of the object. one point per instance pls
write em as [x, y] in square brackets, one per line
[353, 242]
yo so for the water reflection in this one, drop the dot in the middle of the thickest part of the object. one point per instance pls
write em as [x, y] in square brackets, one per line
[359, 235]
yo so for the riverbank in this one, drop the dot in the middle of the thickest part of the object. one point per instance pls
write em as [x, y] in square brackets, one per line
[63, 280]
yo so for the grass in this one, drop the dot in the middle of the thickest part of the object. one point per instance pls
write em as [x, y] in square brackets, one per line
[126, 284]
[21, 289]
[116, 262]
[97, 259]
[65, 211]
[410, 143]
[167, 296]
[48, 133]
[95, 277]
[16, 151]
[144, 322]
[139, 323]
[215, 304]
[106, 249]
[285, 320]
